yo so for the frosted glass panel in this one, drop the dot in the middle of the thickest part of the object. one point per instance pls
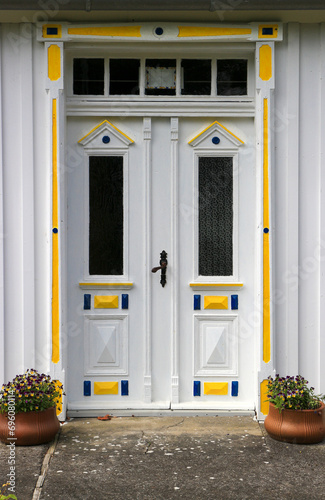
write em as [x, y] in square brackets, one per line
[106, 215]
[215, 216]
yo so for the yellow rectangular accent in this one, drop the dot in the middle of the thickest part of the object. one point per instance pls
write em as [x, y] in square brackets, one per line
[216, 285]
[106, 302]
[44, 29]
[265, 62]
[128, 31]
[189, 31]
[266, 240]
[216, 388]
[105, 388]
[55, 241]
[215, 302]
[275, 30]
[54, 62]
[264, 404]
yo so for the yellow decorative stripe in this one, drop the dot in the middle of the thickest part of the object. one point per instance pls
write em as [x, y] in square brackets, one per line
[266, 240]
[216, 284]
[54, 62]
[111, 124]
[214, 302]
[275, 30]
[106, 284]
[105, 387]
[207, 128]
[264, 405]
[216, 388]
[106, 302]
[265, 62]
[55, 241]
[128, 31]
[189, 31]
[44, 30]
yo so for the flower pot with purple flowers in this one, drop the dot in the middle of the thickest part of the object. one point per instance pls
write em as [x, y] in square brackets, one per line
[296, 414]
[28, 409]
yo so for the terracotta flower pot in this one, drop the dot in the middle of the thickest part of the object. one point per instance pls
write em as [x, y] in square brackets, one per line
[296, 426]
[31, 428]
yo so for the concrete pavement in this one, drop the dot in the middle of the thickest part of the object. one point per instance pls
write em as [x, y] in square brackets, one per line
[167, 458]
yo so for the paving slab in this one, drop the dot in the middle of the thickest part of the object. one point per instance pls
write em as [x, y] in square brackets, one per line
[28, 462]
[171, 458]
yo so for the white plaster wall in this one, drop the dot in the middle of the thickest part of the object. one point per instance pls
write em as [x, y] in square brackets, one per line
[299, 204]
[25, 202]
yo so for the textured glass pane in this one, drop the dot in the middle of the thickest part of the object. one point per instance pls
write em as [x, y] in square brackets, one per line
[88, 76]
[124, 76]
[160, 77]
[106, 215]
[215, 216]
[232, 77]
[196, 77]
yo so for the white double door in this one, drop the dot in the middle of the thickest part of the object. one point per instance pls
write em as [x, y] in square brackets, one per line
[136, 187]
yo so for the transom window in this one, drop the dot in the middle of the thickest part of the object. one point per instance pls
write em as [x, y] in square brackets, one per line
[160, 77]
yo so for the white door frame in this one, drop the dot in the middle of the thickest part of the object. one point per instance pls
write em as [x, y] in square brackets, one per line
[263, 35]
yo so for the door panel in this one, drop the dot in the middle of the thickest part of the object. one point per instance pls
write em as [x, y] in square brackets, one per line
[188, 187]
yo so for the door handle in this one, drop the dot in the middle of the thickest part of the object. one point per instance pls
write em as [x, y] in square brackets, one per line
[163, 266]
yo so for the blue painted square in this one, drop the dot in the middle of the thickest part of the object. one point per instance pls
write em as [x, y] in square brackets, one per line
[87, 388]
[234, 302]
[52, 31]
[124, 387]
[234, 388]
[197, 388]
[87, 301]
[197, 302]
[125, 301]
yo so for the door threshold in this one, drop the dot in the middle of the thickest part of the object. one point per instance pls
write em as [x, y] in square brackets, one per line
[155, 412]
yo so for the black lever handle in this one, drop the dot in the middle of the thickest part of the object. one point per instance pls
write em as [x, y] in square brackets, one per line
[163, 266]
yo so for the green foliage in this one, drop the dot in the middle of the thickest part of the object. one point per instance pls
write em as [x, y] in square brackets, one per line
[31, 391]
[292, 393]
[3, 495]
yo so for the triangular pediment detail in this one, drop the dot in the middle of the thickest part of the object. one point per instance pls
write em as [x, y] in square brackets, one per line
[216, 135]
[105, 134]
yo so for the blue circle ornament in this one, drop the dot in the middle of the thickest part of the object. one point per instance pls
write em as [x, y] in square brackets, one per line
[215, 140]
[106, 139]
[159, 31]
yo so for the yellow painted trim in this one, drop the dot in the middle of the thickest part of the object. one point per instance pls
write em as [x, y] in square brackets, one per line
[215, 302]
[266, 240]
[106, 284]
[111, 124]
[58, 401]
[55, 241]
[216, 284]
[128, 31]
[189, 31]
[45, 26]
[265, 62]
[207, 128]
[106, 302]
[275, 30]
[216, 388]
[54, 62]
[264, 404]
[105, 388]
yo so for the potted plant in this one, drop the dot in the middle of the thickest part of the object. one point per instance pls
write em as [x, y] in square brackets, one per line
[28, 409]
[296, 414]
